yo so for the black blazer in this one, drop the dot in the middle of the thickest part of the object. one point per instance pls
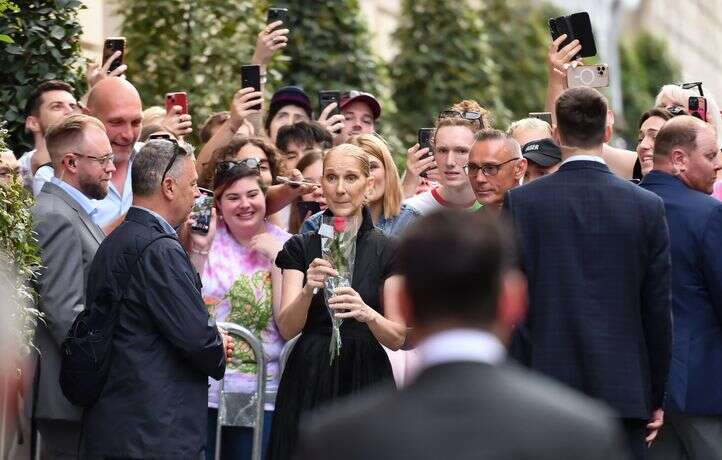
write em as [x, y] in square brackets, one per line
[154, 403]
[466, 410]
[595, 249]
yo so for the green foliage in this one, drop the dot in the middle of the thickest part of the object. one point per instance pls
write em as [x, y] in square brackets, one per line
[46, 45]
[518, 35]
[329, 49]
[18, 249]
[444, 57]
[646, 66]
[196, 46]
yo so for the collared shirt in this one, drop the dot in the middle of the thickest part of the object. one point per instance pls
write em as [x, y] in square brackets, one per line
[80, 198]
[461, 344]
[163, 223]
[114, 205]
[596, 158]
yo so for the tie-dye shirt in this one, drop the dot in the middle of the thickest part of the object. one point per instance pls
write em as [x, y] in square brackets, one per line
[237, 288]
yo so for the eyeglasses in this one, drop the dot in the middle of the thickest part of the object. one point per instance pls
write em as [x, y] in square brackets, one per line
[470, 116]
[472, 170]
[177, 151]
[102, 160]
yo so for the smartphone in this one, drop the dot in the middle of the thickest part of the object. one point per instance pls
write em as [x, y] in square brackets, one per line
[179, 98]
[251, 77]
[545, 116]
[592, 76]
[277, 14]
[576, 26]
[424, 139]
[294, 183]
[326, 98]
[698, 107]
[165, 136]
[304, 207]
[110, 46]
[202, 211]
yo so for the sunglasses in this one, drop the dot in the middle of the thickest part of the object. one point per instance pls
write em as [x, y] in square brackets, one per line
[469, 116]
[250, 163]
[177, 151]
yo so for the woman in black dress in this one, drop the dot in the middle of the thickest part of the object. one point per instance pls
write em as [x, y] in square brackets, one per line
[310, 379]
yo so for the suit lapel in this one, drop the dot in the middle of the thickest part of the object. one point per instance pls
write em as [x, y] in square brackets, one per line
[84, 217]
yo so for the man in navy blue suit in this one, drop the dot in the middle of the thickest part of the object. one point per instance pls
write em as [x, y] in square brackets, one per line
[686, 162]
[595, 249]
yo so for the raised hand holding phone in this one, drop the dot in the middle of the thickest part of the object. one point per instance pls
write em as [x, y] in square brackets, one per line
[94, 72]
[245, 102]
[177, 120]
[333, 123]
[559, 60]
[271, 39]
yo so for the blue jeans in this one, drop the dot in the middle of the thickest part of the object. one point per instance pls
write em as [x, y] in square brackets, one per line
[236, 442]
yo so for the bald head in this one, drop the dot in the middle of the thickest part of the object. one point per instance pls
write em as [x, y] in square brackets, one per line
[116, 103]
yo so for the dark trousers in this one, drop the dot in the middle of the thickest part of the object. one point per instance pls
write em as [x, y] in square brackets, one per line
[635, 430]
[59, 439]
[688, 437]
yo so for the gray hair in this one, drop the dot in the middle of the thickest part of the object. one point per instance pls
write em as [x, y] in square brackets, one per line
[490, 134]
[150, 163]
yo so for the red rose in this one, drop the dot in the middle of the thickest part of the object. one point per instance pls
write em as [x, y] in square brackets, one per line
[339, 224]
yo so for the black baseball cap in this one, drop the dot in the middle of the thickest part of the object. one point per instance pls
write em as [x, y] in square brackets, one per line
[543, 152]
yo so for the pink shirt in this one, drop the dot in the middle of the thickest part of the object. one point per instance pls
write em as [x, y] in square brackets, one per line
[232, 266]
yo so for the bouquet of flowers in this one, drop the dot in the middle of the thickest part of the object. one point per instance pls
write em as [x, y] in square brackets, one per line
[338, 246]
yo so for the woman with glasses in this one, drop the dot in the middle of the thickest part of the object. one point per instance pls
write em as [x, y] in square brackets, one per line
[314, 376]
[241, 285]
[455, 130]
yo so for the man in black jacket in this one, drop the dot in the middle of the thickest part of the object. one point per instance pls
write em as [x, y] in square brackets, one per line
[466, 402]
[165, 346]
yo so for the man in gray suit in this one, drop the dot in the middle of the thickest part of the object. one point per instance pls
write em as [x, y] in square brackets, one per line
[466, 402]
[68, 238]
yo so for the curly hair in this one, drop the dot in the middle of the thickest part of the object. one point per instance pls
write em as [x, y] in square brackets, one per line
[230, 150]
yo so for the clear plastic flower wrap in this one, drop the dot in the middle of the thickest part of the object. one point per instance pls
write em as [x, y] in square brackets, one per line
[338, 246]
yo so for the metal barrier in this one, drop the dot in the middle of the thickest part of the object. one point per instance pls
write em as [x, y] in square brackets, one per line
[245, 410]
[285, 353]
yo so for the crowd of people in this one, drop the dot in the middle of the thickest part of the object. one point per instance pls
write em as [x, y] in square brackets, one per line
[595, 267]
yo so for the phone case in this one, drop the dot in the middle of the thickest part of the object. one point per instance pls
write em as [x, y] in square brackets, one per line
[110, 46]
[576, 26]
[698, 107]
[180, 98]
[424, 139]
[251, 77]
[277, 14]
[325, 98]
[202, 213]
[592, 76]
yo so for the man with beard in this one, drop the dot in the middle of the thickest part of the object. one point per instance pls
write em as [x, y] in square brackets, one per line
[68, 238]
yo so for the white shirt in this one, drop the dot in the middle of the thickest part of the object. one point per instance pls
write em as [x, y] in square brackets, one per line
[585, 158]
[114, 205]
[44, 174]
[461, 344]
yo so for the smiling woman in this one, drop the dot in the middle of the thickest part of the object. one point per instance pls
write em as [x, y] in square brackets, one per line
[309, 380]
[241, 285]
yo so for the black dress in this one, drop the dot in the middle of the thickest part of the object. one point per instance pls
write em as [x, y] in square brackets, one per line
[309, 380]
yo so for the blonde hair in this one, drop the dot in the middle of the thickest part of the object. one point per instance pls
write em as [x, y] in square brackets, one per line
[680, 96]
[153, 115]
[528, 124]
[68, 133]
[376, 146]
[352, 151]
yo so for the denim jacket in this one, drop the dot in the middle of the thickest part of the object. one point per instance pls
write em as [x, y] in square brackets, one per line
[393, 226]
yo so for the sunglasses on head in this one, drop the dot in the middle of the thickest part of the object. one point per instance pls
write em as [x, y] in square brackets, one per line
[470, 116]
[250, 163]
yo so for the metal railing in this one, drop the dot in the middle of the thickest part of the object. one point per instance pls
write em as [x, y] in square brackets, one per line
[236, 409]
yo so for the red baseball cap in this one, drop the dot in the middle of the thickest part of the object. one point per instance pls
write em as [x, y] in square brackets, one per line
[360, 96]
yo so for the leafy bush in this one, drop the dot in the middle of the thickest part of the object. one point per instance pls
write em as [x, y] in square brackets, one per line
[45, 37]
[444, 56]
[646, 67]
[18, 249]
